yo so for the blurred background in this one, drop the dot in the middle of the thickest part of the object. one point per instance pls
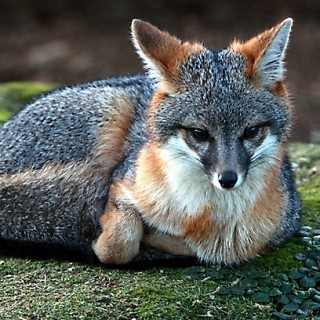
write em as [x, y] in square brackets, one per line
[71, 41]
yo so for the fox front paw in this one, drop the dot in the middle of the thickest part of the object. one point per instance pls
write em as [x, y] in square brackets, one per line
[120, 239]
[115, 251]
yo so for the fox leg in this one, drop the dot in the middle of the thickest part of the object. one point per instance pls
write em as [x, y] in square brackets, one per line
[166, 243]
[122, 231]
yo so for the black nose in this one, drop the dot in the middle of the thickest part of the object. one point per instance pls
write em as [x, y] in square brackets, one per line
[228, 179]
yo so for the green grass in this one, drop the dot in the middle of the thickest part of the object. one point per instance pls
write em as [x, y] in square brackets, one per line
[4, 115]
[63, 290]
[55, 290]
[307, 156]
[14, 95]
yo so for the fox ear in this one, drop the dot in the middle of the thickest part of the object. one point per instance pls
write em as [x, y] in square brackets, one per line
[266, 53]
[161, 52]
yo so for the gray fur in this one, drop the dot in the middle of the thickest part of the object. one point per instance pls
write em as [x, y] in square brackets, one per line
[61, 199]
[62, 126]
[44, 206]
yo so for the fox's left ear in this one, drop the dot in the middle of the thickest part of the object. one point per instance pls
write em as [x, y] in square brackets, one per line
[266, 53]
[161, 52]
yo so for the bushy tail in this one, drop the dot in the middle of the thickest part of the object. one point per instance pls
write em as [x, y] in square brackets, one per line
[59, 205]
[56, 204]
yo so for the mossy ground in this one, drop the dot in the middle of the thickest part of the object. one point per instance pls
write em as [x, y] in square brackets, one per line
[63, 290]
[14, 95]
[56, 290]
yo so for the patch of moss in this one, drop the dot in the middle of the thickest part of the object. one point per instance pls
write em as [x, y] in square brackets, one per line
[307, 162]
[280, 260]
[14, 95]
[56, 290]
[310, 195]
[5, 115]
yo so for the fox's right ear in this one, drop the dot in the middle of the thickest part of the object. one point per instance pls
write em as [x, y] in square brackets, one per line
[161, 52]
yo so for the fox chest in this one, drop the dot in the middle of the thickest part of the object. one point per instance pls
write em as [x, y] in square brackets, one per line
[190, 207]
[224, 227]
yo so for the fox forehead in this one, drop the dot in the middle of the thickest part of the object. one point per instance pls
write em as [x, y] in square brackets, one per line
[216, 82]
[215, 72]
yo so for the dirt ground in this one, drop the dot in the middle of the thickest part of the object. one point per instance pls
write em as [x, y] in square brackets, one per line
[70, 41]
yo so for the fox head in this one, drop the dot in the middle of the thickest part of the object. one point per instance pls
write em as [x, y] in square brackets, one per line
[224, 112]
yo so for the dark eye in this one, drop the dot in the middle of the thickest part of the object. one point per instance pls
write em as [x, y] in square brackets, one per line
[251, 133]
[200, 134]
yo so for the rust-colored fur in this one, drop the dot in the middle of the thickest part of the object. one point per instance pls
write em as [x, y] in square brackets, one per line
[113, 132]
[254, 49]
[166, 243]
[122, 230]
[198, 227]
[167, 50]
[280, 89]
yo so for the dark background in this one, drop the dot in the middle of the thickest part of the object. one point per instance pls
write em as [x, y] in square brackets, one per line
[70, 41]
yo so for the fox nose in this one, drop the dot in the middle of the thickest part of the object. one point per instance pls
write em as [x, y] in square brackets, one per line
[228, 179]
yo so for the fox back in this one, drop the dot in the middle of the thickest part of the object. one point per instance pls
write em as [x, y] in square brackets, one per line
[66, 125]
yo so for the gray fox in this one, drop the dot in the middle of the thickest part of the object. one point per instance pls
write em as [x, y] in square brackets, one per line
[189, 159]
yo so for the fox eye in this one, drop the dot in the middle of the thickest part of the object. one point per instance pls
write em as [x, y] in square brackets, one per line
[251, 132]
[200, 134]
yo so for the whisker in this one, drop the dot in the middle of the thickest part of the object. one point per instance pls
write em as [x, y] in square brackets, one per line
[180, 155]
[265, 159]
